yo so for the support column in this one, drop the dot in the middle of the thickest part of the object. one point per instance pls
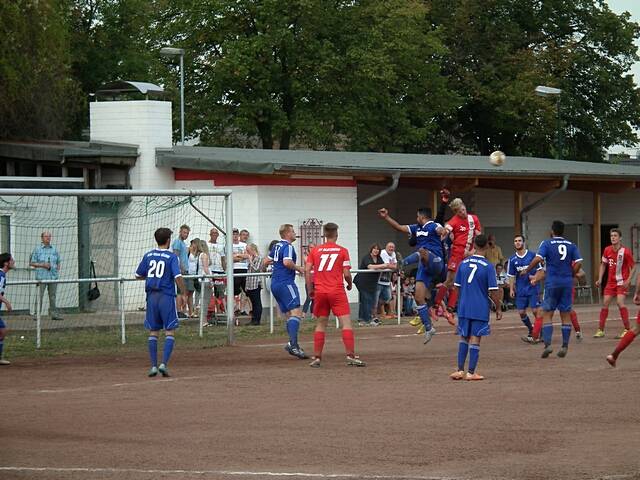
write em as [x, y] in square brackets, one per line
[433, 202]
[596, 251]
[517, 208]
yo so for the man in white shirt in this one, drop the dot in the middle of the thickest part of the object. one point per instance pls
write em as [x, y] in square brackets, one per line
[240, 262]
[383, 290]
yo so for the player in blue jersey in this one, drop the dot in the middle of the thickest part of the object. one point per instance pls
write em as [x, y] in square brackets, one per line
[563, 261]
[283, 285]
[160, 268]
[427, 233]
[526, 296]
[6, 263]
[475, 280]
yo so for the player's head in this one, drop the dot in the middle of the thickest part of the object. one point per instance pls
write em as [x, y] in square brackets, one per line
[46, 237]
[616, 235]
[518, 242]
[481, 242]
[6, 261]
[458, 207]
[423, 215]
[244, 235]
[287, 232]
[213, 235]
[557, 228]
[330, 231]
[184, 231]
[163, 237]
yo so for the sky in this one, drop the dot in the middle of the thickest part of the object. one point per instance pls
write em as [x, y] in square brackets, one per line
[633, 7]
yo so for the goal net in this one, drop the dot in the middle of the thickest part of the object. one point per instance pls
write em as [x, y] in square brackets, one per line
[83, 234]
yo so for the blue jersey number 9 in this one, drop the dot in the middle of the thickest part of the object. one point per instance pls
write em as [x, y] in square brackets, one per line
[562, 250]
[156, 269]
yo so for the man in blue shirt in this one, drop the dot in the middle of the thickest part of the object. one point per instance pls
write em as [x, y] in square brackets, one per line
[181, 249]
[526, 296]
[160, 268]
[283, 285]
[6, 263]
[562, 260]
[427, 234]
[46, 261]
[475, 280]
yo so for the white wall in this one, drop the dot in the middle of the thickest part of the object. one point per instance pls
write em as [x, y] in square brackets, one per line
[146, 123]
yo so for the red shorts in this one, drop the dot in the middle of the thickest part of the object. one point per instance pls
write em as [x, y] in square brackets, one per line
[613, 290]
[335, 302]
[455, 260]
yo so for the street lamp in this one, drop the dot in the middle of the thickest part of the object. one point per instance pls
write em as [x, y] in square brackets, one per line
[178, 52]
[544, 91]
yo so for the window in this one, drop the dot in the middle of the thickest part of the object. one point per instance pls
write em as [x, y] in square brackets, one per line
[5, 233]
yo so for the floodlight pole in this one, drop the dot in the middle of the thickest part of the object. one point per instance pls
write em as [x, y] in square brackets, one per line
[179, 52]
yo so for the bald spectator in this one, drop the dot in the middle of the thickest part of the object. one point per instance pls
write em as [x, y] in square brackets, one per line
[494, 252]
[46, 260]
[383, 291]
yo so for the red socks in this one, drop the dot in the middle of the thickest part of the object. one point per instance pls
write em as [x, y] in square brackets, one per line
[537, 326]
[318, 344]
[624, 313]
[442, 291]
[624, 343]
[349, 341]
[574, 321]
[604, 313]
[453, 298]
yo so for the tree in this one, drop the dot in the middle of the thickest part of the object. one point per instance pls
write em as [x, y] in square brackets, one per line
[501, 49]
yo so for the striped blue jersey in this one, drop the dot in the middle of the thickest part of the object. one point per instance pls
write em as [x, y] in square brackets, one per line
[280, 252]
[160, 268]
[474, 278]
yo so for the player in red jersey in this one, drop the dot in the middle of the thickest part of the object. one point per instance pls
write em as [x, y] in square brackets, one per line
[631, 334]
[463, 227]
[621, 265]
[332, 267]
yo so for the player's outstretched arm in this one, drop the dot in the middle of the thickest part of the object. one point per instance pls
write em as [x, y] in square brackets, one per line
[384, 214]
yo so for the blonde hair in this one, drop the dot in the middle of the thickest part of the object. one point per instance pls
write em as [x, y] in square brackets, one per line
[254, 247]
[198, 245]
[284, 228]
[456, 203]
[204, 248]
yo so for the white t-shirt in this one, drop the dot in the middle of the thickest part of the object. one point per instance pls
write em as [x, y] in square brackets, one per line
[385, 277]
[216, 252]
[240, 247]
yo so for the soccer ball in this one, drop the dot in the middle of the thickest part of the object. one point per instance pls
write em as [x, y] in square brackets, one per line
[497, 158]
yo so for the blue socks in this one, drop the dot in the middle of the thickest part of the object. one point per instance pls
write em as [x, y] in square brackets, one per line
[474, 354]
[168, 348]
[547, 333]
[423, 313]
[566, 335]
[463, 348]
[153, 350]
[293, 325]
[527, 323]
[411, 259]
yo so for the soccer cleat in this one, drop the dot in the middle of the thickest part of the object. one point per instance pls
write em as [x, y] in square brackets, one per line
[4, 362]
[429, 334]
[547, 351]
[315, 363]
[153, 371]
[420, 330]
[451, 318]
[433, 314]
[528, 339]
[612, 360]
[296, 351]
[579, 337]
[414, 322]
[457, 375]
[599, 334]
[355, 361]
[563, 352]
[164, 370]
[622, 334]
[473, 377]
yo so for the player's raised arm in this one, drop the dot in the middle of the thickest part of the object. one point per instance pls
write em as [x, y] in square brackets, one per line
[384, 214]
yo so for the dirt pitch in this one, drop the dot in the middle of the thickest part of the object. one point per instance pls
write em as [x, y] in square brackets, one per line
[252, 412]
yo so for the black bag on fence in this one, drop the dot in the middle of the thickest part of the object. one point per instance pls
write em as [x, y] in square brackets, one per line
[94, 292]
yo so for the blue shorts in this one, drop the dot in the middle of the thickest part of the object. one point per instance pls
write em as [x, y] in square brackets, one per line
[558, 298]
[527, 301]
[287, 296]
[161, 312]
[2, 324]
[427, 273]
[468, 327]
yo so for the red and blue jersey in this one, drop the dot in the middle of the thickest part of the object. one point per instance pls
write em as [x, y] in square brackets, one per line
[427, 237]
[559, 255]
[280, 252]
[160, 268]
[516, 265]
[474, 278]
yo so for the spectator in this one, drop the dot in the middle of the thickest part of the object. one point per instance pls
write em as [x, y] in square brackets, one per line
[179, 247]
[240, 262]
[409, 302]
[218, 265]
[192, 269]
[503, 284]
[383, 290]
[494, 252]
[367, 283]
[216, 252]
[244, 236]
[254, 284]
[46, 260]
[308, 303]
[205, 290]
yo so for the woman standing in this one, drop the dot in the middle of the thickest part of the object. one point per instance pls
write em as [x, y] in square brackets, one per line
[367, 283]
[254, 283]
[194, 253]
[206, 287]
